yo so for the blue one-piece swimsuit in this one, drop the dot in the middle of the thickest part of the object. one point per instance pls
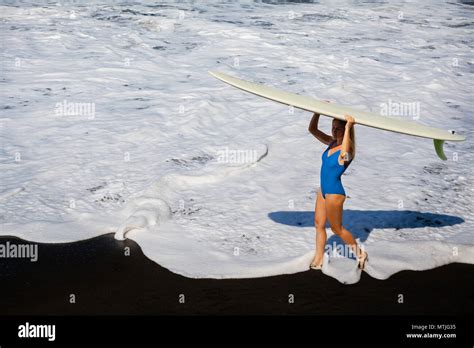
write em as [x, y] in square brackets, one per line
[331, 172]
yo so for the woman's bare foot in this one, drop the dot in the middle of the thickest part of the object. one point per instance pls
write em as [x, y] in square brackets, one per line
[362, 260]
[316, 264]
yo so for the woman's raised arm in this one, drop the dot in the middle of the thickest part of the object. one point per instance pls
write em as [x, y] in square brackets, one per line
[313, 129]
[346, 151]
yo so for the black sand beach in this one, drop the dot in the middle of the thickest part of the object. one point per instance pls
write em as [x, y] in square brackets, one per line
[106, 282]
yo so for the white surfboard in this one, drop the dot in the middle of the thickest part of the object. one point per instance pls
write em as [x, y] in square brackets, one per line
[369, 119]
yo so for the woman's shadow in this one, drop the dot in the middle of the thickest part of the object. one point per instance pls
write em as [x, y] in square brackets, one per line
[361, 222]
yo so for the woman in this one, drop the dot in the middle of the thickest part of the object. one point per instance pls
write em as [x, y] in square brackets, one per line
[331, 196]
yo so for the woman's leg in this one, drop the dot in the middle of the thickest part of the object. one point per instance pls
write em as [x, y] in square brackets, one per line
[319, 224]
[334, 206]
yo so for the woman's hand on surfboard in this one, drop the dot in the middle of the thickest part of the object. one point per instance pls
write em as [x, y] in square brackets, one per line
[350, 120]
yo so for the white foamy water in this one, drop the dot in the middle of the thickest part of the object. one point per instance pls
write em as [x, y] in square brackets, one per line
[111, 123]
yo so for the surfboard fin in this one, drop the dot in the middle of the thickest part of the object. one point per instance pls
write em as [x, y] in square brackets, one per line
[438, 144]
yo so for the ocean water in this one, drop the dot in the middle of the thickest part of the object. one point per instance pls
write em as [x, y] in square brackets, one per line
[110, 122]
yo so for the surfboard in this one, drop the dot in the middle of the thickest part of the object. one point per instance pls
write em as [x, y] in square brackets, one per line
[365, 118]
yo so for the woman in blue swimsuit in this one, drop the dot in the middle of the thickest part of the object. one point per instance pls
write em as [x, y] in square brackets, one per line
[330, 200]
